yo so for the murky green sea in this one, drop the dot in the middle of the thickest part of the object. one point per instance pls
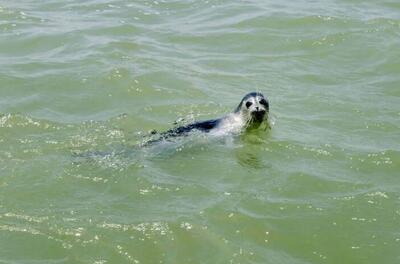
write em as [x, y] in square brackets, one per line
[83, 82]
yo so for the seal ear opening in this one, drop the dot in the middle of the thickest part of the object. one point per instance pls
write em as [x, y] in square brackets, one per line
[239, 106]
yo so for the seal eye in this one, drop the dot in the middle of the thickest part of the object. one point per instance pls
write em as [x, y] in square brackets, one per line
[264, 103]
[248, 104]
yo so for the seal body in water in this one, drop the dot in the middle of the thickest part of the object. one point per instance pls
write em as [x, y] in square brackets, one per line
[251, 112]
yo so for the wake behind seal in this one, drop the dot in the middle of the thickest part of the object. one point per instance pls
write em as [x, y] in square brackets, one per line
[251, 113]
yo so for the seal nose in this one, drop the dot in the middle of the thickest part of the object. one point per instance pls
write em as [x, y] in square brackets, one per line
[257, 108]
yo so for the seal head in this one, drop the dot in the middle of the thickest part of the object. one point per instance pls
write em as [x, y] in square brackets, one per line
[254, 109]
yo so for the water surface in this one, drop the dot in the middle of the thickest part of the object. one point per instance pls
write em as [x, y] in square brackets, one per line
[82, 83]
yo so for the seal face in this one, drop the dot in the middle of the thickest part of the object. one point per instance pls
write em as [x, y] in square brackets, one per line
[254, 109]
[251, 112]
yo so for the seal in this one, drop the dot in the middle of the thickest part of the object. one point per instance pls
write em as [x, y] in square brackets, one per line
[251, 112]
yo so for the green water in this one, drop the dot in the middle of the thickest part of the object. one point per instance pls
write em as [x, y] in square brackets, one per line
[83, 82]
